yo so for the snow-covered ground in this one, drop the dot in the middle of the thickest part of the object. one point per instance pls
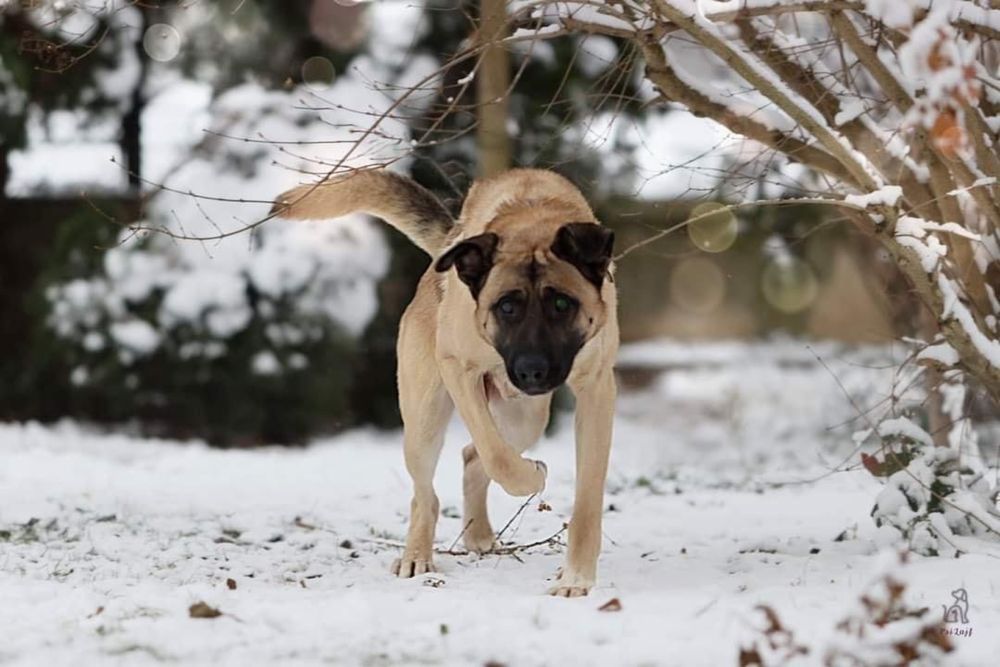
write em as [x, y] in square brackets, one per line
[720, 498]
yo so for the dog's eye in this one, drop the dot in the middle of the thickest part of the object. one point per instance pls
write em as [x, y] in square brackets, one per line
[508, 307]
[561, 305]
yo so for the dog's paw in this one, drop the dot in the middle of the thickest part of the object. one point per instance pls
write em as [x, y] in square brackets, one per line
[561, 591]
[525, 477]
[479, 541]
[571, 586]
[409, 566]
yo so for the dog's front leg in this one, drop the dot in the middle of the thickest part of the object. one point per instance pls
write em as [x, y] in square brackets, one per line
[595, 406]
[518, 476]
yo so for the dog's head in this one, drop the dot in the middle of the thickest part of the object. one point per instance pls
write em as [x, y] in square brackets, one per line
[538, 295]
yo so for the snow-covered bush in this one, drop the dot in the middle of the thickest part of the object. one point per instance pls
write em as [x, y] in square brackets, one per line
[883, 627]
[886, 627]
[933, 496]
[164, 319]
[198, 321]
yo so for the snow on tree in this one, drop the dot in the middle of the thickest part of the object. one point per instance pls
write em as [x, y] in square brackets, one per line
[897, 120]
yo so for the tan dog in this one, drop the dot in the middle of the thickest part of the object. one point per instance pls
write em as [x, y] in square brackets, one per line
[528, 307]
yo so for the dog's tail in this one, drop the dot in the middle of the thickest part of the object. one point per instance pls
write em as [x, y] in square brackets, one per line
[398, 200]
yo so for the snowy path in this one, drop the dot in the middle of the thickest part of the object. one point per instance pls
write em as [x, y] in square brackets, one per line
[141, 530]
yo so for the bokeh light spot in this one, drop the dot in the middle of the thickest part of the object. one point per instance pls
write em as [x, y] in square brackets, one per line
[318, 72]
[161, 42]
[712, 227]
[697, 285]
[789, 284]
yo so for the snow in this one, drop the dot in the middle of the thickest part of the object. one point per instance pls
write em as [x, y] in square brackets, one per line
[680, 154]
[595, 53]
[216, 184]
[904, 427]
[14, 99]
[583, 13]
[135, 336]
[894, 13]
[887, 195]
[937, 59]
[942, 353]
[913, 233]
[531, 33]
[110, 538]
[216, 297]
[55, 169]
[954, 308]
[265, 363]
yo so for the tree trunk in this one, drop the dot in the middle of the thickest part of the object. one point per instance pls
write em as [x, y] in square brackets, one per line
[131, 136]
[492, 82]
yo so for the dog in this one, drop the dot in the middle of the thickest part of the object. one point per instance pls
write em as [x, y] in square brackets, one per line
[518, 301]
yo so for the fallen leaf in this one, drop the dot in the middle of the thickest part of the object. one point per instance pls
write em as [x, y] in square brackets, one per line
[202, 610]
[302, 524]
[231, 584]
[872, 464]
[750, 657]
[614, 604]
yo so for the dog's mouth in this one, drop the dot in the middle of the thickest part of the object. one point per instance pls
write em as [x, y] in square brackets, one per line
[538, 391]
[533, 375]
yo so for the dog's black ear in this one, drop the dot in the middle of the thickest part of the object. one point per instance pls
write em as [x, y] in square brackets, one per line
[472, 258]
[588, 247]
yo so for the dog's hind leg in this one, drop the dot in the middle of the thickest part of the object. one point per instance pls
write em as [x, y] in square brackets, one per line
[426, 408]
[521, 422]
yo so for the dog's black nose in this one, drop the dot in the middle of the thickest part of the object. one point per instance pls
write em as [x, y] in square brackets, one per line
[531, 372]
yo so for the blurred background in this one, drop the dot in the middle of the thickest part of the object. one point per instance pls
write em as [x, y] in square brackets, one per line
[140, 145]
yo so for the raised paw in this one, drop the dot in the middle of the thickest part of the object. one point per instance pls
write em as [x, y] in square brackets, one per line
[528, 478]
[409, 566]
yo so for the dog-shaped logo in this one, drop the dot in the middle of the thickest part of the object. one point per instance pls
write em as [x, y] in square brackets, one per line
[958, 612]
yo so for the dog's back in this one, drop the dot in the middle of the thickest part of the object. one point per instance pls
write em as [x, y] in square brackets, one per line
[520, 187]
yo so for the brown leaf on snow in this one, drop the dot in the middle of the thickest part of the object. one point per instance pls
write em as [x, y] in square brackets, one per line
[750, 657]
[872, 464]
[298, 522]
[614, 604]
[231, 584]
[202, 610]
